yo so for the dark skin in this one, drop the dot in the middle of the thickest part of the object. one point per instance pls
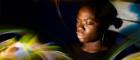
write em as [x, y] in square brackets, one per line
[87, 28]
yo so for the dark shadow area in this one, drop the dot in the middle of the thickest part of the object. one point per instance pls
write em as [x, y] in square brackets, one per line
[42, 17]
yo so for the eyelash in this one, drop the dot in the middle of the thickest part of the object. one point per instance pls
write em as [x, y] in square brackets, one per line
[87, 22]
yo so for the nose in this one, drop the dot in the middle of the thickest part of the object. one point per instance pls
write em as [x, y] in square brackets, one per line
[80, 26]
[80, 29]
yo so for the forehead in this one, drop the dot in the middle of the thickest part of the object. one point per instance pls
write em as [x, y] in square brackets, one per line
[86, 12]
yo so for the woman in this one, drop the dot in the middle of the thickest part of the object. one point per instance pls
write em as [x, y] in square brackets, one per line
[93, 20]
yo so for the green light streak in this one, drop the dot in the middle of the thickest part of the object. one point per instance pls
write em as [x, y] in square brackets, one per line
[130, 40]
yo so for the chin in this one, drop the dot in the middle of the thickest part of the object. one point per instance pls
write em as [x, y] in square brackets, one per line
[83, 40]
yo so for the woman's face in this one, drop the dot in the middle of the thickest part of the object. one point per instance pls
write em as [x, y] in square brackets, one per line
[86, 25]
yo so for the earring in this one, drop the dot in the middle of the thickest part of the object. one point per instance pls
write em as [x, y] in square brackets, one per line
[103, 37]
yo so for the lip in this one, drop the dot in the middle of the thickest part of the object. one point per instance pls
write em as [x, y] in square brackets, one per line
[80, 35]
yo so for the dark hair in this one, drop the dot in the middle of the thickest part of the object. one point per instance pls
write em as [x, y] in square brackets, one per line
[105, 13]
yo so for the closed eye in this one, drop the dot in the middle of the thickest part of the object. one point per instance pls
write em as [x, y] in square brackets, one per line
[90, 22]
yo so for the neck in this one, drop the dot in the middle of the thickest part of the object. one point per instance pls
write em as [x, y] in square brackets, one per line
[92, 47]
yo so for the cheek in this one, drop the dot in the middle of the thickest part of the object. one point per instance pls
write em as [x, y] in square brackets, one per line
[91, 32]
[90, 29]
